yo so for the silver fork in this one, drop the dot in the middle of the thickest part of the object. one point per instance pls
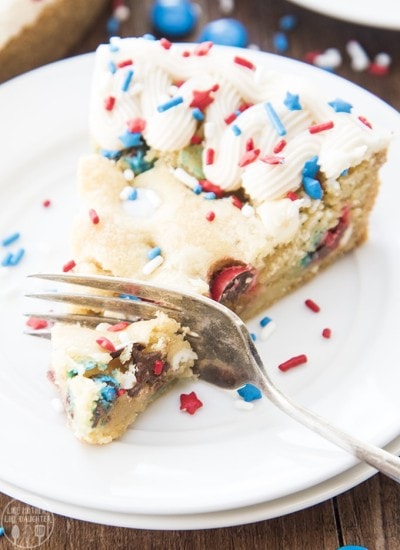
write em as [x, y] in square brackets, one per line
[227, 355]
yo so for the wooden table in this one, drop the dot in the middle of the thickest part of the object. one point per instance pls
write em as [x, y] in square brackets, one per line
[368, 515]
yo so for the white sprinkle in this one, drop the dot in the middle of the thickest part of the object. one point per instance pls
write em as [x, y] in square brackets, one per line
[359, 57]
[152, 265]
[103, 326]
[244, 405]
[186, 178]
[129, 174]
[247, 210]
[57, 405]
[266, 331]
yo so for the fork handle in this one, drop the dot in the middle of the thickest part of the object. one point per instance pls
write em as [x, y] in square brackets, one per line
[385, 462]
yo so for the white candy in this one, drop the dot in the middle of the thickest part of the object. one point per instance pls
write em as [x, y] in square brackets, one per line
[359, 57]
[122, 13]
[331, 59]
[226, 6]
[129, 174]
[266, 331]
[186, 178]
[383, 59]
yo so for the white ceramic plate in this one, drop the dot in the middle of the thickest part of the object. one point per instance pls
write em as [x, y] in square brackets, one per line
[223, 465]
[384, 14]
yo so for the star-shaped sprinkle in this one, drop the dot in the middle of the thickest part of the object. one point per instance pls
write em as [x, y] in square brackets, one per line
[292, 102]
[340, 106]
[203, 98]
[190, 402]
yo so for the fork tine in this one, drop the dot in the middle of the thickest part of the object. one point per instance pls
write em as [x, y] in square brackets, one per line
[118, 285]
[125, 306]
[80, 318]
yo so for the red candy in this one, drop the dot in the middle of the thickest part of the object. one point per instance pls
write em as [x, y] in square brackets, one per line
[106, 344]
[312, 305]
[293, 362]
[158, 367]
[36, 323]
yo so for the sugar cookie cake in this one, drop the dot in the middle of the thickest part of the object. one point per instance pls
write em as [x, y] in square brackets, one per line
[35, 32]
[219, 176]
[213, 174]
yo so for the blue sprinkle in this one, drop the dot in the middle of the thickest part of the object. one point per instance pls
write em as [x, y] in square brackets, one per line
[253, 336]
[2, 531]
[109, 153]
[197, 114]
[210, 196]
[169, 104]
[113, 47]
[340, 106]
[133, 194]
[292, 102]
[127, 81]
[310, 168]
[148, 36]
[352, 547]
[10, 239]
[280, 42]
[264, 321]
[287, 22]
[197, 189]
[275, 120]
[344, 172]
[129, 139]
[112, 26]
[249, 393]
[154, 252]
[236, 130]
[11, 259]
[312, 187]
[112, 67]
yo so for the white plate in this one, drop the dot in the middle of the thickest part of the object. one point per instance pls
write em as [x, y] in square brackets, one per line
[384, 14]
[222, 465]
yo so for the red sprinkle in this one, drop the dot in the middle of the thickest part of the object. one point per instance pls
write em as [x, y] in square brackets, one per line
[118, 326]
[165, 43]
[230, 118]
[272, 159]
[210, 216]
[310, 56]
[46, 203]
[210, 153]
[327, 333]
[136, 125]
[69, 266]
[190, 402]
[120, 392]
[312, 305]
[203, 48]
[109, 103]
[293, 362]
[244, 62]
[158, 367]
[94, 216]
[196, 139]
[250, 144]
[321, 127]
[209, 187]
[365, 121]
[279, 146]
[106, 344]
[249, 157]
[124, 63]
[237, 202]
[36, 323]
[185, 54]
[292, 196]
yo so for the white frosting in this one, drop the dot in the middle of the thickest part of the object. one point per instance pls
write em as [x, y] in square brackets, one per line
[17, 14]
[267, 107]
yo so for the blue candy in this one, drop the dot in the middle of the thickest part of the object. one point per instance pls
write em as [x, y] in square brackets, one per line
[173, 17]
[226, 32]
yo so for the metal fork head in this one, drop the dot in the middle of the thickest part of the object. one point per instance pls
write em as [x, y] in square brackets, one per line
[218, 336]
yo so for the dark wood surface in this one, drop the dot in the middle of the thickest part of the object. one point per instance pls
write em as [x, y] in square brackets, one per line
[369, 514]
